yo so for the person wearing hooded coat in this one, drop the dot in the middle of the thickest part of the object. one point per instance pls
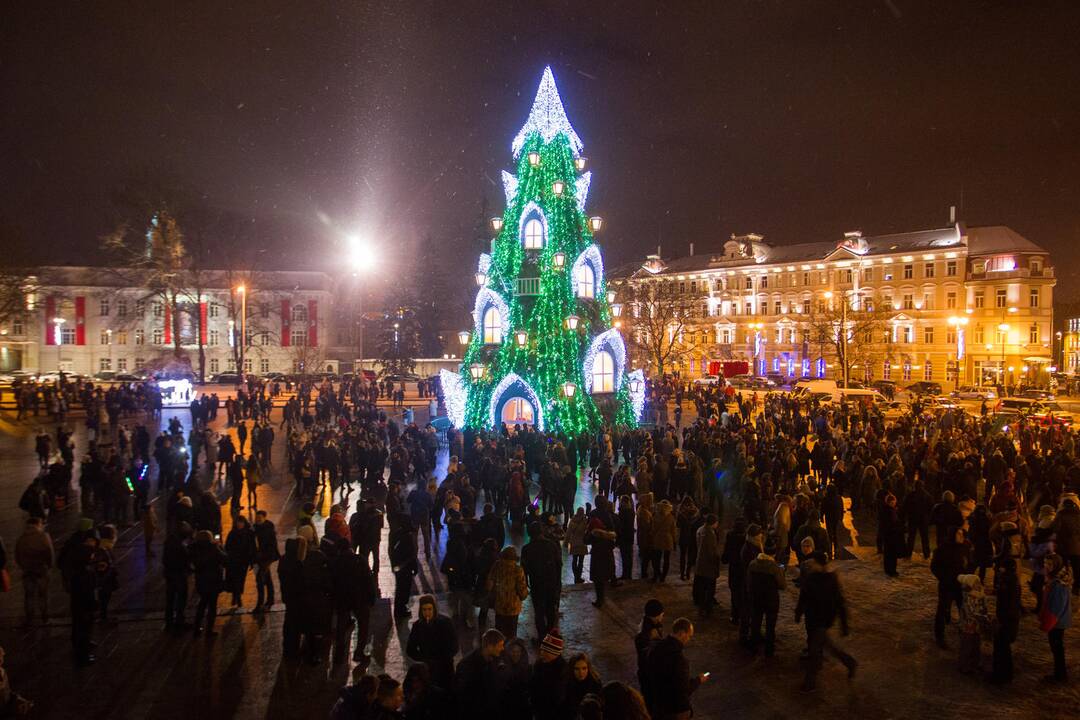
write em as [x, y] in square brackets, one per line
[949, 561]
[812, 529]
[433, 640]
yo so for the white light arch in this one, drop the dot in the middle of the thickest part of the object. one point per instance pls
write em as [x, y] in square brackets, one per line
[530, 211]
[502, 387]
[486, 298]
[589, 256]
[612, 342]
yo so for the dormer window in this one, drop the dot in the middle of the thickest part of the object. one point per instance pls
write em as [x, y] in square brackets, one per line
[533, 237]
[586, 281]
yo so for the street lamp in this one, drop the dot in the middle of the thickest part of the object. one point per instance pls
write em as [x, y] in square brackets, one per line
[521, 337]
[616, 309]
[496, 223]
[595, 223]
[481, 278]
[635, 386]
[463, 337]
[476, 370]
[569, 389]
[572, 322]
[558, 260]
[843, 334]
[362, 257]
[557, 187]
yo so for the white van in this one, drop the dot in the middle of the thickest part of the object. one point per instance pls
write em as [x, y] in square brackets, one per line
[853, 396]
[809, 387]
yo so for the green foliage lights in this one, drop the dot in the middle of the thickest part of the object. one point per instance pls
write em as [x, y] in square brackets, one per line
[552, 354]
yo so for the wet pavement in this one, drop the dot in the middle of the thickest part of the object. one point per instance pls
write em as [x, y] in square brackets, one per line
[143, 672]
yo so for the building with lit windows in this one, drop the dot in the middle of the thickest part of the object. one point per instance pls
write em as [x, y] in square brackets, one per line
[958, 305]
[88, 320]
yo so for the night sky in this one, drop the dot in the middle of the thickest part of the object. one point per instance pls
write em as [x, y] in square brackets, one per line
[306, 120]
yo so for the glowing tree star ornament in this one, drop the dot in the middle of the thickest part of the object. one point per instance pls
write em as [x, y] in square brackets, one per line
[543, 350]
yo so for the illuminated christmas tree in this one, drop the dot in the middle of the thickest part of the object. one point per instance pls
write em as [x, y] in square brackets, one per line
[543, 348]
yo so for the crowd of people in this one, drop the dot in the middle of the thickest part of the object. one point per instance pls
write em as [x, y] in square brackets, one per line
[762, 485]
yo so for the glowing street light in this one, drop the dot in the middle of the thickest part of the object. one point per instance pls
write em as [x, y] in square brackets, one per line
[534, 159]
[476, 370]
[521, 337]
[481, 278]
[595, 223]
[463, 337]
[559, 260]
[635, 386]
[572, 322]
[616, 309]
[557, 187]
[569, 389]
[580, 162]
[496, 223]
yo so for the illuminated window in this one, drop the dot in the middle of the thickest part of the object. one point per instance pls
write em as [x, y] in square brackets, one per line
[586, 281]
[121, 337]
[534, 234]
[603, 373]
[264, 365]
[886, 371]
[298, 337]
[1033, 296]
[140, 336]
[909, 272]
[1033, 334]
[980, 300]
[121, 364]
[517, 411]
[907, 371]
[928, 371]
[928, 335]
[158, 337]
[299, 313]
[492, 326]
[1001, 297]
[950, 300]
[105, 364]
[928, 270]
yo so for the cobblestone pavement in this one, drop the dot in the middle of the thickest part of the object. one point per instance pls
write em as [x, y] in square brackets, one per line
[143, 672]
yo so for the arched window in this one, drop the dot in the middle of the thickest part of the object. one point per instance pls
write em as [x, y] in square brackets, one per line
[299, 313]
[586, 281]
[492, 326]
[534, 234]
[603, 373]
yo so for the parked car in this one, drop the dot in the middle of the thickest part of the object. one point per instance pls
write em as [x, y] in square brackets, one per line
[105, 376]
[127, 378]
[1042, 412]
[226, 378]
[708, 380]
[924, 387]
[1038, 394]
[974, 392]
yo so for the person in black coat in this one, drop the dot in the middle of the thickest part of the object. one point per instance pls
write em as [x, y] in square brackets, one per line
[541, 559]
[209, 561]
[476, 679]
[624, 535]
[241, 551]
[915, 513]
[266, 554]
[1008, 611]
[950, 560]
[945, 515]
[433, 640]
[582, 680]
[669, 671]
[290, 583]
[822, 604]
[316, 598]
[176, 564]
[731, 556]
[403, 559]
[832, 511]
[892, 535]
[547, 685]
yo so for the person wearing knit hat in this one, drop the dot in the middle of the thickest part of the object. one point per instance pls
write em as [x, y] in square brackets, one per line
[550, 675]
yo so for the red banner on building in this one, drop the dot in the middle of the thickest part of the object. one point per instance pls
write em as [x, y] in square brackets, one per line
[313, 323]
[202, 323]
[285, 317]
[80, 320]
[168, 324]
